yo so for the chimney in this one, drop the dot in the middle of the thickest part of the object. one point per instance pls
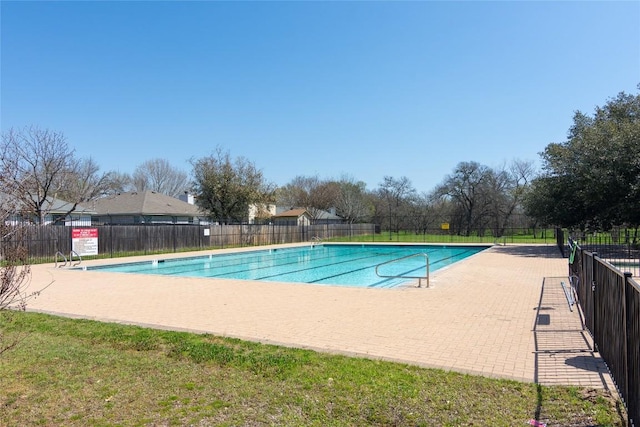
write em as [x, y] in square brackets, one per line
[186, 197]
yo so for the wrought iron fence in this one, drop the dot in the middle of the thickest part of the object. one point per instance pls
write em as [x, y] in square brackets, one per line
[610, 302]
[620, 247]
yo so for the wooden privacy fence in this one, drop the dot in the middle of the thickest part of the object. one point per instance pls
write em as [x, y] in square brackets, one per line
[610, 301]
[43, 242]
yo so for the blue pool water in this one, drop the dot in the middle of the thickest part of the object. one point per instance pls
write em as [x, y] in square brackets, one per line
[326, 264]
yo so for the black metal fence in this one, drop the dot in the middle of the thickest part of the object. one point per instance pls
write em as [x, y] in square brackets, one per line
[619, 246]
[560, 241]
[610, 301]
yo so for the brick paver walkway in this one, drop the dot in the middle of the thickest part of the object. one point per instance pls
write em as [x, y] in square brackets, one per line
[483, 316]
[564, 349]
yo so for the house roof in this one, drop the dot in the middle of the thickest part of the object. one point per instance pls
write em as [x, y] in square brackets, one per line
[51, 205]
[147, 203]
[57, 206]
[298, 212]
[324, 215]
[292, 213]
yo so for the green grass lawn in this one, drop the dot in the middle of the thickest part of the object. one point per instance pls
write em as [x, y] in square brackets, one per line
[80, 372]
[408, 237]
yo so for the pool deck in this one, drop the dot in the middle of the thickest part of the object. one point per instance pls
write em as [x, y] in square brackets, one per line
[501, 313]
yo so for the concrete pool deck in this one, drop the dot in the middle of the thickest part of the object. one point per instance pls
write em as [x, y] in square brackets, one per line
[500, 313]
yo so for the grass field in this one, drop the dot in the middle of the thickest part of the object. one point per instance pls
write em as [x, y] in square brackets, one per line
[545, 236]
[85, 373]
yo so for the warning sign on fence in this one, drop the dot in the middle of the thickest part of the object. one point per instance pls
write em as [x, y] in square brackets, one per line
[84, 241]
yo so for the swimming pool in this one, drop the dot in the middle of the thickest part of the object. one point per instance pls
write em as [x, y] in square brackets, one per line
[323, 264]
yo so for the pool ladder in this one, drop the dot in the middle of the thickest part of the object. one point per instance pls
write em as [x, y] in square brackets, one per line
[426, 258]
[316, 240]
[69, 261]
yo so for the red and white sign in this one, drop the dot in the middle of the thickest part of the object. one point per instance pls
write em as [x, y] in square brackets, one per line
[84, 241]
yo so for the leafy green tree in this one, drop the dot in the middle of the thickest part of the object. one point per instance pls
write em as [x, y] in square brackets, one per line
[592, 180]
[225, 188]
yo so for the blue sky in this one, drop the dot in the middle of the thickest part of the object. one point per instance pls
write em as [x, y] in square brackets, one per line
[366, 89]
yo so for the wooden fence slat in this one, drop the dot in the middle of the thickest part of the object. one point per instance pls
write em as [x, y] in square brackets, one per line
[43, 242]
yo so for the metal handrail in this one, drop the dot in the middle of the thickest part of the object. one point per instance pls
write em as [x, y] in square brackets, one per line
[63, 257]
[403, 276]
[71, 258]
[316, 240]
[568, 295]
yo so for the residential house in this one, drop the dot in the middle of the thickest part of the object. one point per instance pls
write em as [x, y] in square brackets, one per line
[292, 217]
[56, 212]
[318, 216]
[258, 211]
[328, 217]
[255, 212]
[146, 207]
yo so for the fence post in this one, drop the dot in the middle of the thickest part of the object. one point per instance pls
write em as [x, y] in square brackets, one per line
[626, 354]
[596, 329]
[560, 240]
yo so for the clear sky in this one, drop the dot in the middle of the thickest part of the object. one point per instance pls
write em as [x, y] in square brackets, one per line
[367, 89]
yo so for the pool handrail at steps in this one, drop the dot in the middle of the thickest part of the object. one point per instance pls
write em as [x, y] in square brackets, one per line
[67, 261]
[316, 240]
[403, 276]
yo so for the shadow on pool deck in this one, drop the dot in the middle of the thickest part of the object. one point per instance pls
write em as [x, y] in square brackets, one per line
[536, 251]
[564, 348]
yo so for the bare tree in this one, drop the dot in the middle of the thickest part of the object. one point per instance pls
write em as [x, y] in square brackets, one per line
[294, 194]
[41, 166]
[506, 188]
[118, 182]
[158, 175]
[353, 203]
[36, 159]
[398, 194]
[482, 197]
[15, 271]
[311, 193]
[467, 188]
[82, 183]
[423, 214]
